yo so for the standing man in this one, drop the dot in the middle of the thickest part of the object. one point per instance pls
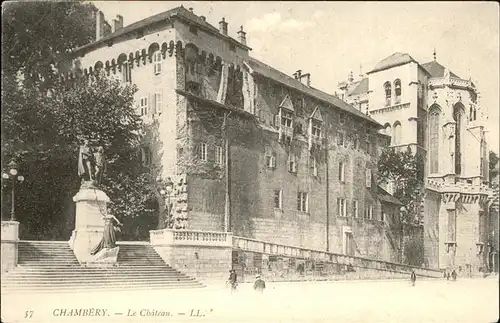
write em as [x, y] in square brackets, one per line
[413, 278]
[259, 284]
[233, 280]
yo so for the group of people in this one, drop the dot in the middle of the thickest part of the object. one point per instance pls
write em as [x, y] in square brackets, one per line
[453, 275]
[259, 284]
[91, 162]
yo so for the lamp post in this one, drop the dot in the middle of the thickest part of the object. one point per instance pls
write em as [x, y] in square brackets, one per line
[13, 175]
[167, 191]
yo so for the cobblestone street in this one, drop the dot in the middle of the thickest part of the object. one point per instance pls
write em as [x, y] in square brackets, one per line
[467, 300]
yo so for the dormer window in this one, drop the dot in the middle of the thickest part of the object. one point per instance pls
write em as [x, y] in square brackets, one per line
[286, 119]
[387, 89]
[397, 91]
[316, 129]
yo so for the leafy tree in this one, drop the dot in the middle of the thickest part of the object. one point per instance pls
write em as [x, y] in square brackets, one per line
[37, 34]
[42, 133]
[493, 168]
[405, 171]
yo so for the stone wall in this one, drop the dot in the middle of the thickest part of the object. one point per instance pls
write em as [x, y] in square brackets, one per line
[10, 240]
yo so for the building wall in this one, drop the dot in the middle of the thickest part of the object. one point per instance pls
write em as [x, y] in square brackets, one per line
[408, 75]
[431, 229]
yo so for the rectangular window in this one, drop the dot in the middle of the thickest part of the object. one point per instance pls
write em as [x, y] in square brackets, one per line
[232, 47]
[369, 213]
[203, 151]
[302, 202]
[271, 161]
[126, 73]
[144, 106]
[158, 102]
[193, 29]
[368, 147]
[286, 119]
[368, 178]
[355, 208]
[147, 156]
[292, 163]
[340, 138]
[157, 62]
[342, 118]
[316, 129]
[356, 143]
[278, 199]
[341, 207]
[219, 155]
[382, 216]
[341, 172]
[313, 165]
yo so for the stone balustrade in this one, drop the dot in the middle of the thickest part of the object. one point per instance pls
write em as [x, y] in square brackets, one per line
[253, 245]
[440, 81]
[190, 238]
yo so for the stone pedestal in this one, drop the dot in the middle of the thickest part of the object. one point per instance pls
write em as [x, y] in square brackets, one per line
[10, 241]
[91, 206]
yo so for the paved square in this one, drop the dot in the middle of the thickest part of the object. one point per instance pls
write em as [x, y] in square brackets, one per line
[467, 300]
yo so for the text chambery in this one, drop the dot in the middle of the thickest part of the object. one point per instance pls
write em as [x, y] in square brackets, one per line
[80, 312]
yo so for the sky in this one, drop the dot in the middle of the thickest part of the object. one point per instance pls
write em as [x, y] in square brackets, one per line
[330, 39]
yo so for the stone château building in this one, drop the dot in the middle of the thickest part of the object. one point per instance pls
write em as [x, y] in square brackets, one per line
[436, 113]
[251, 150]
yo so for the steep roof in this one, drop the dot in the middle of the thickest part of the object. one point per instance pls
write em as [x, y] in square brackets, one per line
[269, 72]
[395, 59]
[175, 12]
[436, 70]
[384, 196]
[361, 87]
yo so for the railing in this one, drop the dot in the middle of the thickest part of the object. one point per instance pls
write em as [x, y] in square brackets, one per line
[190, 237]
[248, 244]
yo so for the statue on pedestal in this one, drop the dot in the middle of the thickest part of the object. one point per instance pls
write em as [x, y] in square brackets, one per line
[91, 163]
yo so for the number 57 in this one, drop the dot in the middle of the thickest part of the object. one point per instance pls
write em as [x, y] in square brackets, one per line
[28, 314]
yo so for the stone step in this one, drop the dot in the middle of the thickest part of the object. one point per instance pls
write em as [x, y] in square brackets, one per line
[72, 289]
[90, 280]
[123, 286]
[93, 276]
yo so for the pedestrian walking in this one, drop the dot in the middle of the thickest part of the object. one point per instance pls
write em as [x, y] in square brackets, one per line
[232, 280]
[454, 275]
[259, 284]
[413, 278]
[448, 276]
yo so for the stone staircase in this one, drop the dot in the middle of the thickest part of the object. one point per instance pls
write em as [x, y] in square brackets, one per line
[49, 266]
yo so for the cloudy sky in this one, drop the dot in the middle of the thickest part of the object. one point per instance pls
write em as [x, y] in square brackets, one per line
[329, 39]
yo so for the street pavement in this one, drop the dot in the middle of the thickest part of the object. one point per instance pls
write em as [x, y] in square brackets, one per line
[466, 300]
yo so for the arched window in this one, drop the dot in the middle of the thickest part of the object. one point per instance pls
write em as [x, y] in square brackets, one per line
[458, 116]
[396, 137]
[388, 90]
[434, 113]
[397, 91]
[388, 130]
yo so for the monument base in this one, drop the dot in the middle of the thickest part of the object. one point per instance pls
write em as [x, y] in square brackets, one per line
[91, 206]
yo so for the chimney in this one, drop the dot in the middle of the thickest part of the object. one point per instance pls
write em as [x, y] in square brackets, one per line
[203, 18]
[117, 23]
[298, 74]
[223, 26]
[191, 10]
[350, 79]
[242, 36]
